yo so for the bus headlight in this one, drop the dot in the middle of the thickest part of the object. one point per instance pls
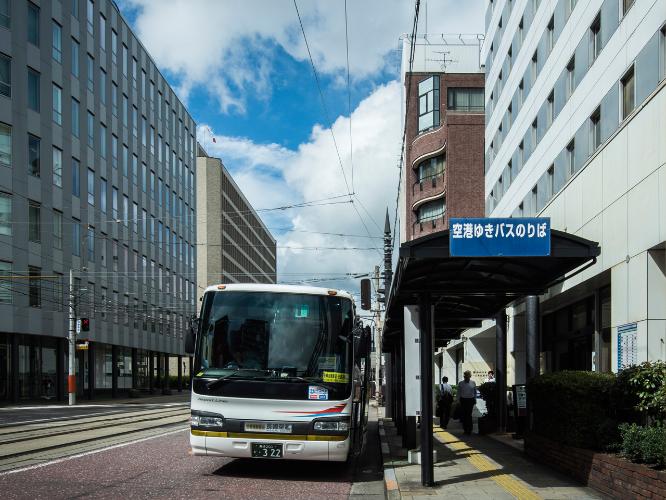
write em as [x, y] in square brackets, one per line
[331, 425]
[206, 420]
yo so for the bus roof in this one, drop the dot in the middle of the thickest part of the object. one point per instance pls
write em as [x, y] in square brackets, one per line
[266, 287]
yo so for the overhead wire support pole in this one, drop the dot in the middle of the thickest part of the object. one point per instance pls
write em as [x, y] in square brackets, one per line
[71, 377]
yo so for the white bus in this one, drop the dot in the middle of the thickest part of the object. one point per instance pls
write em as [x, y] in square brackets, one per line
[280, 372]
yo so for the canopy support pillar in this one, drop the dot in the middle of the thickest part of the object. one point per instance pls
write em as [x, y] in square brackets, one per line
[426, 379]
[500, 368]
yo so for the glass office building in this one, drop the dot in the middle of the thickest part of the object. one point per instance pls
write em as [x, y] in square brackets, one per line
[97, 176]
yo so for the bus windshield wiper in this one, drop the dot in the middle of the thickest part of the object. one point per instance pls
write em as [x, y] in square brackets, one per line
[235, 374]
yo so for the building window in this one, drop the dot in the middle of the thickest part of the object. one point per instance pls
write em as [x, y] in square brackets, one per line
[663, 52]
[102, 195]
[125, 106]
[134, 71]
[34, 222]
[35, 286]
[430, 211]
[34, 155]
[76, 237]
[91, 73]
[135, 217]
[550, 34]
[521, 31]
[90, 244]
[125, 160]
[33, 24]
[595, 39]
[533, 66]
[534, 201]
[5, 17]
[521, 89]
[5, 214]
[125, 210]
[90, 16]
[5, 145]
[76, 178]
[628, 93]
[91, 130]
[550, 109]
[534, 134]
[431, 168]
[550, 182]
[595, 130]
[56, 51]
[135, 169]
[102, 32]
[102, 140]
[57, 167]
[135, 121]
[521, 155]
[569, 6]
[75, 58]
[114, 202]
[75, 118]
[91, 187]
[114, 46]
[125, 55]
[571, 81]
[102, 86]
[33, 90]
[465, 99]
[571, 150]
[429, 103]
[114, 151]
[114, 99]
[5, 75]
[57, 230]
[57, 104]
[626, 5]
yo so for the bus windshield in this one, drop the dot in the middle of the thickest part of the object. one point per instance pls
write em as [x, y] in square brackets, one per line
[276, 335]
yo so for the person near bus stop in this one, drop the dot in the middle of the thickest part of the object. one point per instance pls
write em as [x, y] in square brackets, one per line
[467, 400]
[445, 402]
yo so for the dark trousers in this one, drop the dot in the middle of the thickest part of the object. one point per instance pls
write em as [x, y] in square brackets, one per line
[445, 414]
[466, 407]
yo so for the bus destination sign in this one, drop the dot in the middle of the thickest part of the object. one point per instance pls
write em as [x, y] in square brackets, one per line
[500, 237]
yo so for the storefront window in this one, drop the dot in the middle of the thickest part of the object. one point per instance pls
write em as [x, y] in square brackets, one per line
[125, 369]
[103, 366]
[4, 366]
[143, 368]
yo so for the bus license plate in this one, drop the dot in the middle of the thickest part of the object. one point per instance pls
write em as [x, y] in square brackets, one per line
[266, 450]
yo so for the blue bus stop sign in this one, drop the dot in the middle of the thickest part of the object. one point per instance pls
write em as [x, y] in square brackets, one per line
[511, 237]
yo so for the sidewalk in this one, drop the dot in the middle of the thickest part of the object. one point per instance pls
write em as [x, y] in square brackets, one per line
[472, 467]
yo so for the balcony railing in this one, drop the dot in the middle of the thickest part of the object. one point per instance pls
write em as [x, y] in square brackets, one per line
[427, 223]
[427, 180]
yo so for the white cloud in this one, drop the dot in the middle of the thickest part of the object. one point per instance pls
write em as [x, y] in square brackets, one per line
[229, 47]
[271, 176]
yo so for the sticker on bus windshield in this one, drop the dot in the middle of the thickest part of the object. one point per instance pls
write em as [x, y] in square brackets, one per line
[302, 311]
[338, 377]
[316, 392]
[328, 362]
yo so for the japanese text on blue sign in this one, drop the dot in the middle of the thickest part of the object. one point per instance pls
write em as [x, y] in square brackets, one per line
[499, 237]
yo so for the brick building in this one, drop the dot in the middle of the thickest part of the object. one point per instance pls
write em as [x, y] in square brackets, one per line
[443, 175]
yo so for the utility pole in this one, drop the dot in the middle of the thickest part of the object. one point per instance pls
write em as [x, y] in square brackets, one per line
[378, 339]
[71, 379]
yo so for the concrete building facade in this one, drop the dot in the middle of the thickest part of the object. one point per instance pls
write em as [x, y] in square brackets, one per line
[96, 176]
[233, 244]
[575, 128]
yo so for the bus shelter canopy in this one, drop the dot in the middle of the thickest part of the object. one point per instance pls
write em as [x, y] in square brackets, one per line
[467, 290]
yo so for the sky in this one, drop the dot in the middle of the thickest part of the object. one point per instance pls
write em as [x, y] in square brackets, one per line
[243, 70]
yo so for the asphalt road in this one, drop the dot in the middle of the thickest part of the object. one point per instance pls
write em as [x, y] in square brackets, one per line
[162, 467]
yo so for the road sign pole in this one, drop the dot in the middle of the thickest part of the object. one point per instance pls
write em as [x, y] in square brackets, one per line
[71, 378]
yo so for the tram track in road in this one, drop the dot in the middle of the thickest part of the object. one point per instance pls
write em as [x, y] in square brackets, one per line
[31, 444]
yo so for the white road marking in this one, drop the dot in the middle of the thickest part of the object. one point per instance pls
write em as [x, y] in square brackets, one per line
[92, 452]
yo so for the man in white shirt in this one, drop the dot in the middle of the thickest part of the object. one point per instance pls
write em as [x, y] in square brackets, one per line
[467, 399]
[445, 401]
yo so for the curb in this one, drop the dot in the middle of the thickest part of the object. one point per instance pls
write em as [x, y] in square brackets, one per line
[391, 490]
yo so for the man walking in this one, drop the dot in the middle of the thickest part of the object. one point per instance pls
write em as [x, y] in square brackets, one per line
[445, 402]
[467, 399]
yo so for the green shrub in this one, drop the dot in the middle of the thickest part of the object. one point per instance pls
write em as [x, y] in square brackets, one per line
[574, 407]
[645, 386]
[644, 444]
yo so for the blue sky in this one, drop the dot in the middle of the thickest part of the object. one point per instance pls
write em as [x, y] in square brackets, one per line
[243, 71]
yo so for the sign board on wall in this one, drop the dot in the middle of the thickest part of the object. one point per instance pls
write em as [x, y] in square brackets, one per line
[499, 237]
[626, 345]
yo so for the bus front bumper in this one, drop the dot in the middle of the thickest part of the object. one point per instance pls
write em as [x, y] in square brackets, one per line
[239, 445]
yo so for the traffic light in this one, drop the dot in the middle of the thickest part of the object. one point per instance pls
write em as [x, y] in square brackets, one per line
[365, 294]
[85, 324]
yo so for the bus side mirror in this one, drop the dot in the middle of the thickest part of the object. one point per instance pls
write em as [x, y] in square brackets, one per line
[364, 342]
[191, 336]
